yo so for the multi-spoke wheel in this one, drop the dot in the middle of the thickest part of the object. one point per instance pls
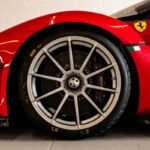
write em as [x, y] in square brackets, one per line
[75, 84]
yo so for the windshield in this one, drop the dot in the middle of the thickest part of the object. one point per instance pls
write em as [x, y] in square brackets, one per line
[136, 9]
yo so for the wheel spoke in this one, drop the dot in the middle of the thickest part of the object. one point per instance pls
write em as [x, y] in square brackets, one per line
[60, 107]
[70, 54]
[77, 110]
[48, 94]
[54, 61]
[100, 70]
[101, 88]
[88, 57]
[46, 77]
[92, 103]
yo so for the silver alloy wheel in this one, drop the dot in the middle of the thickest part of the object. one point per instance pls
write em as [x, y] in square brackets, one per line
[74, 82]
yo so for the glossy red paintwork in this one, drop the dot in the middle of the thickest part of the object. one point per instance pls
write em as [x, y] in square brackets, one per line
[145, 34]
[142, 61]
[3, 87]
[12, 39]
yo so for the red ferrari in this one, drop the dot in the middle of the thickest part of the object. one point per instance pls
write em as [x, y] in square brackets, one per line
[74, 73]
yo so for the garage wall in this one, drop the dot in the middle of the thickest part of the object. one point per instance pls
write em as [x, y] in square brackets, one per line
[13, 12]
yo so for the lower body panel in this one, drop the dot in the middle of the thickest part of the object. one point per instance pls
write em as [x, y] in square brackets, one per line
[141, 57]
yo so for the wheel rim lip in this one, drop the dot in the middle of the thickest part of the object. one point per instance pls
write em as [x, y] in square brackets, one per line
[45, 114]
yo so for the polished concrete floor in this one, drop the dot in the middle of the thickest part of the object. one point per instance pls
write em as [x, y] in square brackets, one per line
[124, 136]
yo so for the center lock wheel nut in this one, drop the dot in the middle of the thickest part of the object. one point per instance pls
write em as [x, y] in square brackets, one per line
[74, 83]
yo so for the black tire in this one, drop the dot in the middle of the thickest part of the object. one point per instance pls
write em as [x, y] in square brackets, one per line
[100, 127]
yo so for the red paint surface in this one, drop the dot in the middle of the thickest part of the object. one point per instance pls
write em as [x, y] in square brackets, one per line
[142, 61]
[3, 87]
[145, 34]
[12, 39]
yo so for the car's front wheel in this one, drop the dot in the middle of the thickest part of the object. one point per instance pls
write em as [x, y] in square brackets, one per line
[74, 83]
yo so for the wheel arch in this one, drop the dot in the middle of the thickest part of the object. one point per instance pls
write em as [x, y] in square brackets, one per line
[51, 29]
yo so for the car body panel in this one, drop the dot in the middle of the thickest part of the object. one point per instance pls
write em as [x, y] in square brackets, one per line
[145, 32]
[12, 39]
[138, 17]
[142, 61]
[3, 91]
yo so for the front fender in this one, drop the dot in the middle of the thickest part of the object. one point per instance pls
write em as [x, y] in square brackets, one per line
[12, 39]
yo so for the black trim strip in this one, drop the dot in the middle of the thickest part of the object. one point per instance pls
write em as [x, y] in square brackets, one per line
[139, 44]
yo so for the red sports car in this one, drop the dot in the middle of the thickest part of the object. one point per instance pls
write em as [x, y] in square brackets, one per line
[75, 73]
